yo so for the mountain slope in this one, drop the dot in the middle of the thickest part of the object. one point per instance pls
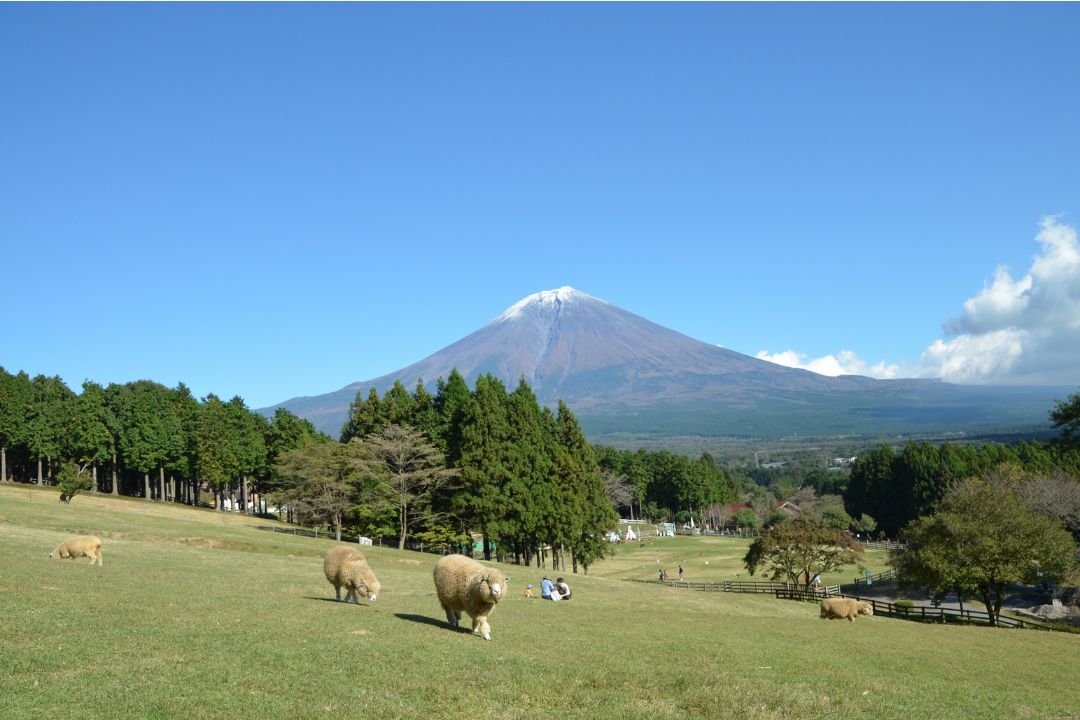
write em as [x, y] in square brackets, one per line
[607, 364]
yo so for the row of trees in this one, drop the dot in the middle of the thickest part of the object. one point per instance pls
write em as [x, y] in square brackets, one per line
[432, 466]
[897, 487]
[520, 475]
[664, 485]
[140, 438]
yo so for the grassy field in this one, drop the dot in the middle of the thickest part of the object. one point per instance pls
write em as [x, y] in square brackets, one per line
[704, 559]
[193, 616]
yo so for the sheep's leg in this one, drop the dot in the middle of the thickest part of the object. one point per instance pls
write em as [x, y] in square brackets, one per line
[337, 592]
[451, 616]
[485, 629]
[352, 594]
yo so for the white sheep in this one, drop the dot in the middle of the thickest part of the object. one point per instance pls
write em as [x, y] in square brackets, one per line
[346, 567]
[465, 585]
[842, 608]
[79, 546]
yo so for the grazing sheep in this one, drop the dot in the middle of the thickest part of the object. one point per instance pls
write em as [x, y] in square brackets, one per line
[465, 585]
[840, 608]
[79, 546]
[346, 567]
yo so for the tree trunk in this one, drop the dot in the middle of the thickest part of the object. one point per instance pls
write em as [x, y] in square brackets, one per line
[403, 521]
[146, 486]
[3, 464]
[39, 479]
[94, 469]
[115, 481]
[161, 482]
[244, 495]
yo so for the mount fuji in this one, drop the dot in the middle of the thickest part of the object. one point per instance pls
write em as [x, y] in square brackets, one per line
[626, 376]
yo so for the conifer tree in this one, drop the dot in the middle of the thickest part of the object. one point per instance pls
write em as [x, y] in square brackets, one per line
[15, 398]
[485, 458]
[365, 416]
[595, 513]
[91, 441]
[527, 491]
[452, 403]
[49, 421]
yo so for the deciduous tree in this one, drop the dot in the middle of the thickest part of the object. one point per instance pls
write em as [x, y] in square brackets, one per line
[405, 472]
[981, 540]
[800, 549]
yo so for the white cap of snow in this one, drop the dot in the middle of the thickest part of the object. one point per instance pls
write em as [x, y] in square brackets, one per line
[545, 299]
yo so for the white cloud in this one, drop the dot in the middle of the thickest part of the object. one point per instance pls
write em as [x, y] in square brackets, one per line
[845, 362]
[1024, 330]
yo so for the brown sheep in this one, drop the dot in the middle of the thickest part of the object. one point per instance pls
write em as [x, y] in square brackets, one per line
[840, 608]
[464, 585]
[79, 546]
[346, 567]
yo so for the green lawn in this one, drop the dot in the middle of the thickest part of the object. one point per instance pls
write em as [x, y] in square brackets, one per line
[704, 559]
[195, 617]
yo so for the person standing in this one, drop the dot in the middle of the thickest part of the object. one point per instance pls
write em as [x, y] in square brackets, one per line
[680, 572]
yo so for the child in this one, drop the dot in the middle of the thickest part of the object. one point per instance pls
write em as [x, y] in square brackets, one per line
[528, 591]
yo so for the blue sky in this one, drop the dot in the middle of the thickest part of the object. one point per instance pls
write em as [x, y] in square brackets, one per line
[277, 200]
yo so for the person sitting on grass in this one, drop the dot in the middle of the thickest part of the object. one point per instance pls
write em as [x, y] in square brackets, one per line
[546, 587]
[562, 589]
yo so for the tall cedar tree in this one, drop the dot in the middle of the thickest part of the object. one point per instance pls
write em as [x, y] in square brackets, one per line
[91, 441]
[16, 392]
[486, 459]
[595, 513]
[48, 421]
[527, 491]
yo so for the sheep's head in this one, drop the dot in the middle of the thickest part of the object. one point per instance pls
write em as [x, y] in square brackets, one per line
[866, 608]
[491, 585]
[368, 586]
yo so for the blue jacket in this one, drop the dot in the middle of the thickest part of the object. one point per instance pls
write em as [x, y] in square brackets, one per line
[546, 586]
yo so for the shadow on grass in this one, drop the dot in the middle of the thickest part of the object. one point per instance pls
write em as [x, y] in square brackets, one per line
[425, 620]
[329, 600]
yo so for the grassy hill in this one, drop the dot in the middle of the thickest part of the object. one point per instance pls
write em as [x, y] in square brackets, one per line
[196, 616]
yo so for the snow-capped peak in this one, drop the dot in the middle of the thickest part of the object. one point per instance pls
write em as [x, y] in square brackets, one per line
[545, 299]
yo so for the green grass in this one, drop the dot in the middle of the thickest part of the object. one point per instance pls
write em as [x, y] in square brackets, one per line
[193, 617]
[705, 559]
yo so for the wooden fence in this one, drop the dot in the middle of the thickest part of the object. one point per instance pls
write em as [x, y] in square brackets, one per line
[882, 544]
[929, 613]
[737, 586]
[881, 577]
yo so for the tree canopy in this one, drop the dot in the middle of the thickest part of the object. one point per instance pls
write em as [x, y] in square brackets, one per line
[799, 549]
[981, 539]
